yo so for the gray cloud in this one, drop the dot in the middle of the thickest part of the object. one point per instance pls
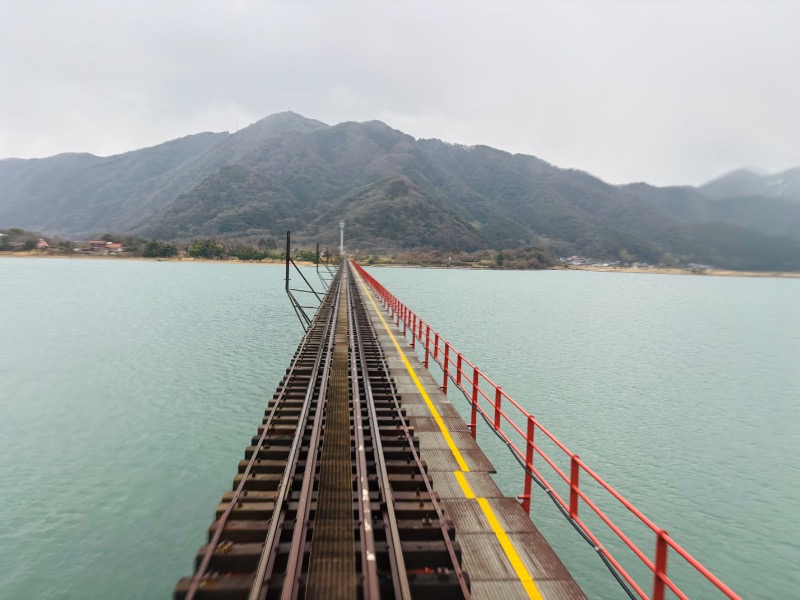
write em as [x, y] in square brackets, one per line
[666, 92]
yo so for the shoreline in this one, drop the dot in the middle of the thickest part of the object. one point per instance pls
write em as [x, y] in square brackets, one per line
[680, 271]
[114, 257]
[652, 270]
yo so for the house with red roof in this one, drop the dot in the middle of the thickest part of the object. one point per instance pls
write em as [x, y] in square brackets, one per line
[102, 247]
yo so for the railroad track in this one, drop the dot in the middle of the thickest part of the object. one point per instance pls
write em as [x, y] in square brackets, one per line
[332, 499]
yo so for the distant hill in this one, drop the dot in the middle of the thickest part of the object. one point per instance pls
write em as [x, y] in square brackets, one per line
[398, 193]
[745, 183]
[80, 193]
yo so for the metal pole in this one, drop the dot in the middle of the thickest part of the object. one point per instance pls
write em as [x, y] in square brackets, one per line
[660, 571]
[574, 473]
[288, 247]
[446, 367]
[498, 396]
[473, 422]
[526, 494]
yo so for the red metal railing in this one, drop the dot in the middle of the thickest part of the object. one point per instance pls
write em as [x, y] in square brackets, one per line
[499, 410]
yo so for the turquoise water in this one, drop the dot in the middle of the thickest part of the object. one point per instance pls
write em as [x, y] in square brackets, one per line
[681, 391]
[128, 391]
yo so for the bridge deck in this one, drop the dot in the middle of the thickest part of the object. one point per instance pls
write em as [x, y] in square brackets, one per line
[503, 551]
[363, 482]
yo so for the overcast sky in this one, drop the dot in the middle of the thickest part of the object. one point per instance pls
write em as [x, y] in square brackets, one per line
[668, 92]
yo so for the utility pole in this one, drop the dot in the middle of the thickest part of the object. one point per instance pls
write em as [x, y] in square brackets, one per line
[341, 239]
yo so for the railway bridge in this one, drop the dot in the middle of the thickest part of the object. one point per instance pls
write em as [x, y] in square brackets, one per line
[363, 481]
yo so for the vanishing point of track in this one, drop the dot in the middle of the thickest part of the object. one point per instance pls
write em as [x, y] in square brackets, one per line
[332, 498]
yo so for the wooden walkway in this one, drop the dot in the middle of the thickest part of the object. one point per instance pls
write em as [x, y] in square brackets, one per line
[503, 552]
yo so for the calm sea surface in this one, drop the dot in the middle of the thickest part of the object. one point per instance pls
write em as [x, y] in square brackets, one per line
[128, 391]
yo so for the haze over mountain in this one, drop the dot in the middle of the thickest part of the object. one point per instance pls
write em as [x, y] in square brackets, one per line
[397, 192]
[743, 183]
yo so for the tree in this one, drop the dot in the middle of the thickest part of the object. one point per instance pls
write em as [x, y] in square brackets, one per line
[306, 255]
[206, 249]
[244, 252]
[155, 249]
[267, 243]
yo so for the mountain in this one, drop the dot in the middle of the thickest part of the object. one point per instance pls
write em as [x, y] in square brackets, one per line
[80, 193]
[745, 183]
[765, 203]
[396, 192]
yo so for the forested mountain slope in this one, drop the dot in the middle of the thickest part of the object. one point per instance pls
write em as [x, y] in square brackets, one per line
[396, 192]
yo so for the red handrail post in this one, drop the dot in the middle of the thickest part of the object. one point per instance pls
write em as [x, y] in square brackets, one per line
[458, 369]
[427, 343]
[498, 396]
[529, 448]
[446, 367]
[660, 572]
[414, 331]
[435, 346]
[473, 421]
[405, 317]
[574, 474]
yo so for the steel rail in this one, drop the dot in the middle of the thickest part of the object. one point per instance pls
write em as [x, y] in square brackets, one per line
[396, 561]
[202, 569]
[424, 475]
[267, 558]
[369, 565]
[291, 583]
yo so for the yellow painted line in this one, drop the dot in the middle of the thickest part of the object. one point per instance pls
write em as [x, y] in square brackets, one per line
[505, 542]
[436, 416]
[465, 487]
[508, 547]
